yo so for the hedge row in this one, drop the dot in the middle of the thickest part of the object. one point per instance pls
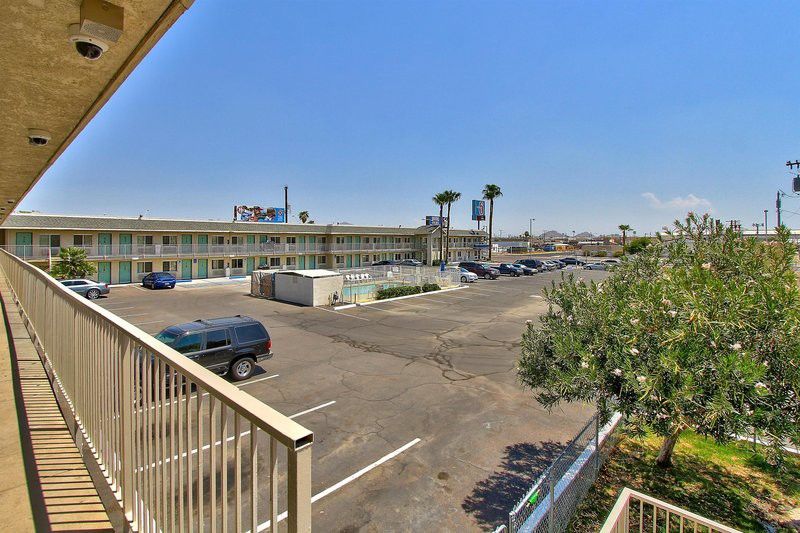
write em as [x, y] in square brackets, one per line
[406, 290]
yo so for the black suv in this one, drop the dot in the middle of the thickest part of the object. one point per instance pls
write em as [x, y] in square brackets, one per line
[230, 345]
[531, 263]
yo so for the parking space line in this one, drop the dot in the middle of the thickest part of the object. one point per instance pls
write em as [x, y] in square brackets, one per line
[116, 308]
[487, 290]
[150, 322]
[258, 380]
[345, 481]
[452, 296]
[135, 314]
[427, 299]
[321, 406]
[414, 306]
[343, 314]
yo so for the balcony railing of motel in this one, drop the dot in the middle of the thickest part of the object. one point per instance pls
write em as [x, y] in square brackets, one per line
[640, 513]
[179, 448]
[145, 251]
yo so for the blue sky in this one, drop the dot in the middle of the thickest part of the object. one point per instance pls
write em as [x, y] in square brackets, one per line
[587, 114]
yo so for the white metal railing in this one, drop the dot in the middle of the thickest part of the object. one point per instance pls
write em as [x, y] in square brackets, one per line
[638, 512]
[145, 251]
[180, 447]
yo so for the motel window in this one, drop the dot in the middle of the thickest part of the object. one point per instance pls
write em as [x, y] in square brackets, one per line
[339, 259]
[144, 267]
[321, 259]
[365, 258]
[274, 261]
[291, 240]
[169, 266]
[407, 239]
[169, 240]
[144, 240]
[398, 257]
[375, 258]
[366, 240]
[291, 261]
[53, 241]
[322, 240]
[339, 240]
[82, 240]
[236, 239]
[276, 240]
[217, 240]
[217, 264]
[237, 263]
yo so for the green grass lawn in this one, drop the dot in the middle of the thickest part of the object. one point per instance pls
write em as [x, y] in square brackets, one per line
[730, 483]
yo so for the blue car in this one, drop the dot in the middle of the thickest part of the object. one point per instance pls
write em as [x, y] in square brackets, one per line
[511, 270]
[159, 280]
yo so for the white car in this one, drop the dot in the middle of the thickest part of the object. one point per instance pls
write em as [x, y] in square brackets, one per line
[465, 275]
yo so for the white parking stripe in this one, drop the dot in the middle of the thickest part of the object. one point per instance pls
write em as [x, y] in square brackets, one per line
[116, 308]
[345, 481]
[343, 314]
[258, 380]
[150, 322]
[135, 314]
[321, 406]
[487, 290]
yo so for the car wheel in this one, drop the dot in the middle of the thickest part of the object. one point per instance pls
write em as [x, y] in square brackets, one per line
[242, 369]
[463, 279]
[93, 294]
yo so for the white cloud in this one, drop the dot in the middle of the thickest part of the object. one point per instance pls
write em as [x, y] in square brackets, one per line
[690, 202]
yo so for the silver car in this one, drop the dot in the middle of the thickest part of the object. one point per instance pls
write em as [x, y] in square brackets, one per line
[86, 287]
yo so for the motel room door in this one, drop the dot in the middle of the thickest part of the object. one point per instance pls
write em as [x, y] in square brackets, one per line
[202, 268]
[125, 272]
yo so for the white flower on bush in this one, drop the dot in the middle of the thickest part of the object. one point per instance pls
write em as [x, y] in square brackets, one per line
[713, 344]
[736, 346]
[673, 313]
[617, 372]
[584, 364]
[706, 266]
[641, 379]
[634, 321]
[529, 322]
[666, 303]
[569, 318]
[634, 351]
[760, 386]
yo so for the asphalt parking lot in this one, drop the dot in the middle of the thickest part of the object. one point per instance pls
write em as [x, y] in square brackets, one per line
[417, 396]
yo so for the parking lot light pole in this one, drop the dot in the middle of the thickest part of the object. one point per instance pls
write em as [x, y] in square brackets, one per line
[530, 233]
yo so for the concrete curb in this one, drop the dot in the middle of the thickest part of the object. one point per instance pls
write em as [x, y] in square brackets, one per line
[350, 306]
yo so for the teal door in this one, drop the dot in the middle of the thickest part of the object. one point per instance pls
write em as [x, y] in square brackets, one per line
[312, 261]
[357, 259]
[24, 242]
[251, 264]
[202, 268]
[125, 272]
[349, 260]
[104, 244]
[202, 245]
[186, 269]
[301, 262]
[104, 272]
[186, 246]
[125, 247]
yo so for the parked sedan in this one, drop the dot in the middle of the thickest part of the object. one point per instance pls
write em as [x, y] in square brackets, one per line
[572, 261]
[550, 265]
[410, 262]
[535, 264]
[385, 262]
[465, 275]
[596, 266]
[510, 270]
[86, 287]
[528, 271]
[159, 280]
[482, 270]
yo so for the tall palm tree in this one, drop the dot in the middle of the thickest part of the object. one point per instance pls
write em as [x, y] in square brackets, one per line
[624, 228]
[452, 197]
[303, 216]
[440, 199]
[490, 192]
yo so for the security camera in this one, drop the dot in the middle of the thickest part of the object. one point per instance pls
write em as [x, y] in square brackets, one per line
[38, 137]
[87, 46]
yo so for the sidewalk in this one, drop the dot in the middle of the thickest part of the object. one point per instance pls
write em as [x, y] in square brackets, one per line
[45, 485]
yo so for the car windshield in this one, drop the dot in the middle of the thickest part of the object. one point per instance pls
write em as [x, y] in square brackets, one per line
[168, 336]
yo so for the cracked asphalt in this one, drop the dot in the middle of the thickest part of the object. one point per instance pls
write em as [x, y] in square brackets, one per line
[440, 368]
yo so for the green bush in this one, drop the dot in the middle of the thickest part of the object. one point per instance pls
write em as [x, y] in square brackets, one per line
[429, 287]
[618, 253]
[637, 245]
[698, 331]
[394, 292]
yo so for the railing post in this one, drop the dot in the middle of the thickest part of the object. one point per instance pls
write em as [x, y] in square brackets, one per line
[551, 523]
[299, 489]
[126, 428]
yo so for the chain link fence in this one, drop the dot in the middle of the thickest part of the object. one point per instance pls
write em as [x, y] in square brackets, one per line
[550, 504]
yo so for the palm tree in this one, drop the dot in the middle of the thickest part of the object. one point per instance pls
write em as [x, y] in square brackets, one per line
[440, 199]
[490, 192]
[624, 228]
[452, 197]
[303, 216]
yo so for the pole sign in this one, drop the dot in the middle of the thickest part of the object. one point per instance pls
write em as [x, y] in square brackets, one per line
[478, 210]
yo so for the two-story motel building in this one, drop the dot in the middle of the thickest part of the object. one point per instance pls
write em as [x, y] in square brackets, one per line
[127, 249]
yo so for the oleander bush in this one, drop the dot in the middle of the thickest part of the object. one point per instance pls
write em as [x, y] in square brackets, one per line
[394, 292]
[430, 287]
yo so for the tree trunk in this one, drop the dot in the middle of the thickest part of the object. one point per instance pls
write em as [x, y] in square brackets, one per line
[667, 447]
[441, 233]
[491, 216]
[447, 242]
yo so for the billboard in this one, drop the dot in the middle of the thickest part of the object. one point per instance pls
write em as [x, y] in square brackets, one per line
[478, 210]
[243, 213]
[435, 221]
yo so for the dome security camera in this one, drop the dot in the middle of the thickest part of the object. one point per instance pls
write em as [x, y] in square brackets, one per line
[38, 137]
[86, 45]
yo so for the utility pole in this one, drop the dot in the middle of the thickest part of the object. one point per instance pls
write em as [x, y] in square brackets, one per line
[778, 207]
[765, 220]
[530, 232]
[286, 203]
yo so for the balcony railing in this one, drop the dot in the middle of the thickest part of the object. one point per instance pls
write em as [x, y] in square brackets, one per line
[638, 512]
[147, 251]
[180, 448]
